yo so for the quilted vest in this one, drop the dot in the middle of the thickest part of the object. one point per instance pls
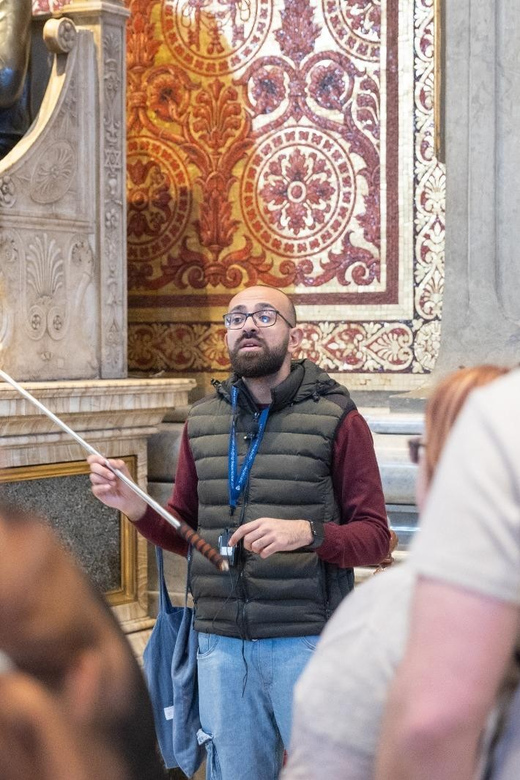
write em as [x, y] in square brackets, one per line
[289, 593]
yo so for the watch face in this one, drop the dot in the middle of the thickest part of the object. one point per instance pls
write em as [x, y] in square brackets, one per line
[317, 535]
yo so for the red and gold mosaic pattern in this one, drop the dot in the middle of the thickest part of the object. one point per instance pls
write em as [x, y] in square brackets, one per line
[47, 6]
[284, 142]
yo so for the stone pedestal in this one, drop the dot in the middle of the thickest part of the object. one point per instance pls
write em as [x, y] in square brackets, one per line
[106, 21]
[63, 210]
[45, 468]
[391, 431]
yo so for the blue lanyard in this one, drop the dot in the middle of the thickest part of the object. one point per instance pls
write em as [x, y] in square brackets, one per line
[237, 481]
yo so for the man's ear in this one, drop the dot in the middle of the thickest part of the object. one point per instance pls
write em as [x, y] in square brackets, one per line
[83, 683]
[295, 339]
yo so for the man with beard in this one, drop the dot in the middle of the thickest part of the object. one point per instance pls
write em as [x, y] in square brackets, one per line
[279, 463]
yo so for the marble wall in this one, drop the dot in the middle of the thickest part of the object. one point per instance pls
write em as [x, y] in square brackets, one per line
[285, 143]
[274, 143]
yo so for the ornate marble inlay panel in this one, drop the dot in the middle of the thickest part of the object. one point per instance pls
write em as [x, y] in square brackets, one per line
[285, 143]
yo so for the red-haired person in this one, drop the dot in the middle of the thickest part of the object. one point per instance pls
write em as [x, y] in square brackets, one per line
[465, 615]
[340, 698]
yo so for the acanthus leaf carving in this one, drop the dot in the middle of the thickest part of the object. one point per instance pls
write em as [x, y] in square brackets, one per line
[299, 32]
[45, 290]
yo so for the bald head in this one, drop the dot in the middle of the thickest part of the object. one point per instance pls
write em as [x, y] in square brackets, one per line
[260, 296]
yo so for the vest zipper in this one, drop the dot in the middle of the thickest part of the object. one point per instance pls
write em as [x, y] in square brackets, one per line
[324, 589]
[245, 600]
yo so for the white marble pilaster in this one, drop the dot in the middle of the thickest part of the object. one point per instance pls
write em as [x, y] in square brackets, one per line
[481, 309]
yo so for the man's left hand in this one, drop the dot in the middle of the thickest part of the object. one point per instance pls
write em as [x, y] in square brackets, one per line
[269, 535]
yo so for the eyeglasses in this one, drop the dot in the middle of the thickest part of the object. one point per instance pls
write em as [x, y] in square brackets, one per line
[265, 318]
[415, 446]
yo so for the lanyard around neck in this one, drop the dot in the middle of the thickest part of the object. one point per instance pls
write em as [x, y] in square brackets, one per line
[238, 480]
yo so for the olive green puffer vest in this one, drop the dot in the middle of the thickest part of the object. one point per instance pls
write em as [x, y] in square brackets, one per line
[289, 593]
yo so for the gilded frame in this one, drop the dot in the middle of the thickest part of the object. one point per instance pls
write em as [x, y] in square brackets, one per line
[127, 592]
[439, 75]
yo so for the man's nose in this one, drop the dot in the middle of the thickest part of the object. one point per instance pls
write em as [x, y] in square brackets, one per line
[249, 324]
[249, 332]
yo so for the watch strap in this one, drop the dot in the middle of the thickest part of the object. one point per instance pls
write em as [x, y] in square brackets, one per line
[318, 534]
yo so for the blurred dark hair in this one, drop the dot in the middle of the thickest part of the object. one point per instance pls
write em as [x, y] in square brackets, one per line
[126, 728]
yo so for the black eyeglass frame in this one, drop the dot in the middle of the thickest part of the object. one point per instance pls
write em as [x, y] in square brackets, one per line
[253, 315]
[415, 445]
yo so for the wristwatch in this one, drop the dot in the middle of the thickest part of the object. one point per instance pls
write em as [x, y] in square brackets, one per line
[318, 534]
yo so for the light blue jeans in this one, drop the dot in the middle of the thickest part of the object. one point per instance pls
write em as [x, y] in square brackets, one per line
[245, 696]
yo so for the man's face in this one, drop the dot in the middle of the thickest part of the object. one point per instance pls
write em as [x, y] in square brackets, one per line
[255, 351]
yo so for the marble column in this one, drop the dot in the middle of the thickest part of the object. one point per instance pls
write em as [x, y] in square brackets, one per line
[481, 309]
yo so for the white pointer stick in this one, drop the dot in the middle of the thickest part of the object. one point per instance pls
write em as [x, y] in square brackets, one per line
[191, 536]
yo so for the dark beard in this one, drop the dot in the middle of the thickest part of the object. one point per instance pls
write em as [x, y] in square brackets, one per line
[264, 363]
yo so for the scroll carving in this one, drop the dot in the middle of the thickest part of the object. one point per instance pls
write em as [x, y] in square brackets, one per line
[60, 35]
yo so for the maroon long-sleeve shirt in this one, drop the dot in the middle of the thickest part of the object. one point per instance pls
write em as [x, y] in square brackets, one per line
[362, 538]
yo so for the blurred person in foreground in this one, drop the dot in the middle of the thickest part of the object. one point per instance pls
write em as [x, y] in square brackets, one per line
[465, 614]
[340, 698]
[73, 702]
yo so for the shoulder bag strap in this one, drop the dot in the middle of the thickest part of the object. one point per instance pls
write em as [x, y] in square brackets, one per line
[165, 604]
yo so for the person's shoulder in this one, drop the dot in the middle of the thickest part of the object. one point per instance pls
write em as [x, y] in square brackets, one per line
[352, 423]
[372, 603]
[205, 404]
[387, 585]
[498, 391]
[497, 401]
[343, 401]
[202, 401]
